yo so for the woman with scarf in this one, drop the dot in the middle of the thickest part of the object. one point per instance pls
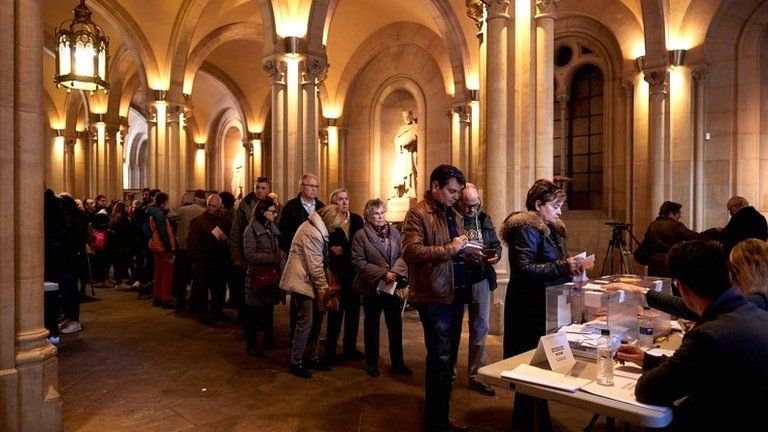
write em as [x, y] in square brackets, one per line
[376, 257]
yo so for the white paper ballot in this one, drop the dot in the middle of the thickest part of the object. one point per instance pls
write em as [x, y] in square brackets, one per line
[555, 350]
[622, 390]
[543, 377]
[218, 233]
[387, 288]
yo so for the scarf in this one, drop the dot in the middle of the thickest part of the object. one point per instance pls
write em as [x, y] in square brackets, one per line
[382, 231]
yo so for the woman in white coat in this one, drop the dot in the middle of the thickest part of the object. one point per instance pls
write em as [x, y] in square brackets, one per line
[303, 274]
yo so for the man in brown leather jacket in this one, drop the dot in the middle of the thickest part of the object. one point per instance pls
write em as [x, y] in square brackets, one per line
[433, 237]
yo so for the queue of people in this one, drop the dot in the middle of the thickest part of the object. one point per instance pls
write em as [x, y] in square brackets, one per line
[331, 261]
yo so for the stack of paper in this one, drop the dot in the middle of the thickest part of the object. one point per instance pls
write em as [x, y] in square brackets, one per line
[622, 390]
[545, 377]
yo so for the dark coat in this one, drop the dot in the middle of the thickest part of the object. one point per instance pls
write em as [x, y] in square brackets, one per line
[490, 241]
[341, 265]
[241, 219]
[291, 217]
[371, 261]
[537, 259]
[661, 235]
[720, 366]
[260, 247]
[204, 249]
[426, 251]
[746, 223]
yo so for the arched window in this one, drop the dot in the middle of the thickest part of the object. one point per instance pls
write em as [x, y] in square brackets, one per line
[584, 149]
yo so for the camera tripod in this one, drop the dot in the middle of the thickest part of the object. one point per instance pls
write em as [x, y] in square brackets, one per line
[617, 243]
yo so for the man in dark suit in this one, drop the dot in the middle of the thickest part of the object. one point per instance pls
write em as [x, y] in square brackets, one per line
[722, 364]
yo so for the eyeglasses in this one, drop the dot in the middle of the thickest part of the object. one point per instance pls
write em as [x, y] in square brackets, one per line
[475, 207]
[311, 186]
[270, 211]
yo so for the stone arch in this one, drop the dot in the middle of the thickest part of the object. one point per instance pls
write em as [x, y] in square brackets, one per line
[229, 120]
[213, 40]
[733, 55]
[181, 39]
[615, 18]
[442, 12]
[134, 167]
[407, 67]
[692, 33]
[606, 54]
[244, 107]
[393, 35]
[655, 25]
[124, 78]
[132, 36]
[268, 25]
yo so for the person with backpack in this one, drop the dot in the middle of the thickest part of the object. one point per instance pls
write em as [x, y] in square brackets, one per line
[162, 244]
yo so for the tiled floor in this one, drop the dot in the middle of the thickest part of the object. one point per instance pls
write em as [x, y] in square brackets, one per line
[139, 368]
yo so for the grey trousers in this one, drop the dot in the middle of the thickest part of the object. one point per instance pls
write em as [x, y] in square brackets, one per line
[307, 333]
[479, 316]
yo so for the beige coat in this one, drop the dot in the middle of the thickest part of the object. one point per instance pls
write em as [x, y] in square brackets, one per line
[304, 269]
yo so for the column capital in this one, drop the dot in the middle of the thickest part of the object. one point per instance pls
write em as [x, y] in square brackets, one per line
[464, 110]
[315, 69]
[563, 98]
[657, 80]
[248, 147]
[700, 74]
[475, 12]
[629, 87]
[546, 8]
[275, 68]
[496, 9]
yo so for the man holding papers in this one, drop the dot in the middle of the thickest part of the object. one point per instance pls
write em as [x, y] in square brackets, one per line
[721, 367]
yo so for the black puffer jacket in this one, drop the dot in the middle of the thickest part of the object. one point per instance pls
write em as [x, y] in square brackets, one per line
[537, 259]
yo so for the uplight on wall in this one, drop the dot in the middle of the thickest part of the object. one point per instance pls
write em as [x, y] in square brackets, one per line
[677, 57]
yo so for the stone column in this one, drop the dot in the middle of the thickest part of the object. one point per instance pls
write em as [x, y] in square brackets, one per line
[629, 126]
[545, 87]
[29, 397]
[70, 139]
[495, 84]
[113, 157]
[657, 80]
[562, 100]
[699, 78]
[464, 111]
[176, 155]
[247, 164]
[496, 118]
[314, 72]
[276, 69]
[151, 167]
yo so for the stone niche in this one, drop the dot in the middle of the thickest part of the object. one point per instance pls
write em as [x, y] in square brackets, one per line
[390, 120]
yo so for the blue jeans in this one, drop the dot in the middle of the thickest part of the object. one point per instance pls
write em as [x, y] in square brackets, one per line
[479, 316]
[442, 334]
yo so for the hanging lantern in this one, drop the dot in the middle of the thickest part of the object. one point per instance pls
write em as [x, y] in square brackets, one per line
[82, 53]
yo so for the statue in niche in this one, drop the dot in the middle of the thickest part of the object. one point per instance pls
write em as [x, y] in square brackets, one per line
[237, 177]
[406, 144]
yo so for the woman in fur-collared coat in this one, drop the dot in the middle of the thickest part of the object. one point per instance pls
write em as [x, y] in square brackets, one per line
[538, 258]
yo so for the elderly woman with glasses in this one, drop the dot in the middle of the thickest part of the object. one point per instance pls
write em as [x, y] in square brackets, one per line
[260, 244]
[376, 258]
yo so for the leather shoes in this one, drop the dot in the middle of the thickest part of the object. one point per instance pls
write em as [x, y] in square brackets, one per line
[371, 370]
[453, 426]
[482, 388]
[402, 370]
[300, 371]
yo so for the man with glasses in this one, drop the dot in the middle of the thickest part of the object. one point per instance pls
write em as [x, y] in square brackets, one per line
[433, 238]
[481, 278]
[295, 212]
[242, 218]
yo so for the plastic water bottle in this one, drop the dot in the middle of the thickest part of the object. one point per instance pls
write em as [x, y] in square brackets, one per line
[645, 329]
[605, 358]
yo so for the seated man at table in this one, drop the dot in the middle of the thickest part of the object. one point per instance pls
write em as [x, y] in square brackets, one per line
[722, 363]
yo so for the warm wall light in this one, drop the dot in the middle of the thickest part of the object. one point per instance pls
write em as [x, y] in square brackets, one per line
[200, 146]
[59, 132]
[330, 121]
[677, 57]
[474, 95]
[293, 44]
[254, 136]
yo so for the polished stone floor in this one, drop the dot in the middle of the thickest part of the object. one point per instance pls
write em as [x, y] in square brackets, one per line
[139, 368]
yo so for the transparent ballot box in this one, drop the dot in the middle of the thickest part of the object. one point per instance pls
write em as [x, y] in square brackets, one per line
[582, 309]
